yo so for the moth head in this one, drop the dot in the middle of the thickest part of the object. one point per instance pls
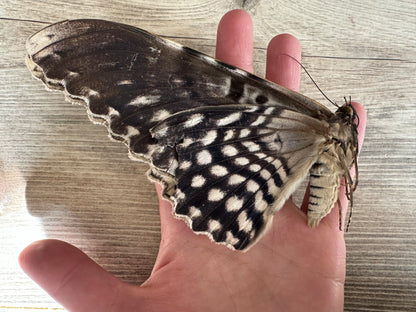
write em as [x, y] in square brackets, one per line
[347, 136]
[348, 115]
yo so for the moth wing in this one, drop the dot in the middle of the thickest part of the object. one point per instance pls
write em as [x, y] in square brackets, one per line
[131, 79]
[137, 84]
[236, 166]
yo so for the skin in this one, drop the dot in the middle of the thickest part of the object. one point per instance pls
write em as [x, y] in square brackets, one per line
[292, 268]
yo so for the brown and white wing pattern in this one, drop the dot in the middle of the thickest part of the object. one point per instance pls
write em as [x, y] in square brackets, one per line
[228, 147]
[236, 165]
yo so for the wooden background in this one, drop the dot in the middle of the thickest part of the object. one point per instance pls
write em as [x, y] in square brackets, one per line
[60, 176]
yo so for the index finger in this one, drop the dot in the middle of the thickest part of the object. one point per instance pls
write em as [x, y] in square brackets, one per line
[282, 69]
[235, 40]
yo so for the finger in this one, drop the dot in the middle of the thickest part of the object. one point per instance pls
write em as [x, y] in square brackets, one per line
[281, 69]
[235, 40]
[284, 71]
[70, 276]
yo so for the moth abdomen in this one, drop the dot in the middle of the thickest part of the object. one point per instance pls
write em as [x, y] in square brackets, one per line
[325, 176]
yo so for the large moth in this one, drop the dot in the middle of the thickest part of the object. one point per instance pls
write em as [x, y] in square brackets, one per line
[228, 147]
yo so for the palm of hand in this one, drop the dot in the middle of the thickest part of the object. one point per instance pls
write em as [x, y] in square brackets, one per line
[292, 268]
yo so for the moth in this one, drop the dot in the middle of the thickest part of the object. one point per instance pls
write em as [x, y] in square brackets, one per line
[228, 147]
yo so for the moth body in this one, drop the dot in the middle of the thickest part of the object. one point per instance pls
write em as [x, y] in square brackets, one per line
[326, 173]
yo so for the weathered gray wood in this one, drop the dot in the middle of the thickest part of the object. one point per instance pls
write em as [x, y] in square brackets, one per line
[56, 181]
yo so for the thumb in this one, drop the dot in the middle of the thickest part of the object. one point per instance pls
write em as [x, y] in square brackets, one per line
[72, 278]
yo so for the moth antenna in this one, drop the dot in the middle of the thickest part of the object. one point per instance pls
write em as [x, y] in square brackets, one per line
[313, 81]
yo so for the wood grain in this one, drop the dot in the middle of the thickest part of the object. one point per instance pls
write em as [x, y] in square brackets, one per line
[58, 182]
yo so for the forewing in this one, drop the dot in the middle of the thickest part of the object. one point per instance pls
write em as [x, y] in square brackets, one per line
[132, 79]
[176, 109]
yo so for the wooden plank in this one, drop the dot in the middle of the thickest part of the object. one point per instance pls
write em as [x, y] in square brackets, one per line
[352, 48]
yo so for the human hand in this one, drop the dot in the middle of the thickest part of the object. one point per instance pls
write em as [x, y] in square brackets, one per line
[292, 268]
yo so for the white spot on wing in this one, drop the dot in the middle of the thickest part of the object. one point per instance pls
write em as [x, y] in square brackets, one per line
[229, 134]
[269, 159]
[215, 195]
[209, 137]
[251, 146]
[187, 142]
[242, 161]
[229, 150]
[260, 155]
[252, 186]
[269, 110]
[194, 212]
[229, 119]
[272, 187]
[145, 100]
[236, 179]
[193, 120]
[214, 225]
[131, 131]
[265, 174]
[254, 167]
[125, 82]
[258, 121]
[204, 157]
[160, 115]
[260, 204]
[231, 239]
[198, 181]
[244, 224]
[179, 194]
[113, 112]
[185, 165]
[244, 133]
[233, 204]
[219, 171]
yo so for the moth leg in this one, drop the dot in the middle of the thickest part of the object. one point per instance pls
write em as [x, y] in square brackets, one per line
[339, 214]
[355, 184]
[349, 193]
